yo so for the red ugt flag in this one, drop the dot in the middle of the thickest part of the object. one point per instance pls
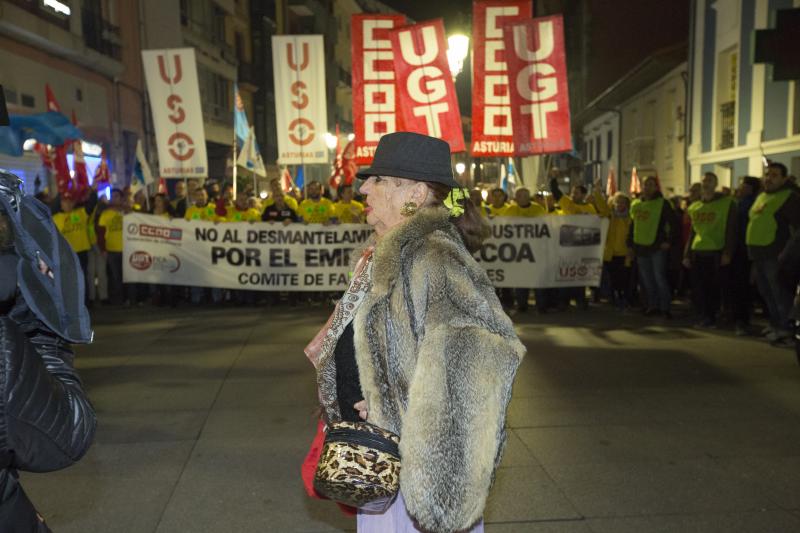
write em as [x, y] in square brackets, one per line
[537, 71]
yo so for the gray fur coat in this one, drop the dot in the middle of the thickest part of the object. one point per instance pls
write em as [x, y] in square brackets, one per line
[437, 356]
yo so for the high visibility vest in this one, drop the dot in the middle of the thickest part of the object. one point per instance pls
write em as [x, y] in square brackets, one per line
[709, 222]
[646, 215]
[762, 226]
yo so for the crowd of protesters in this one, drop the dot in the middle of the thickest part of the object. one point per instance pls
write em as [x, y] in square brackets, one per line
[725, 252]
[93, 227]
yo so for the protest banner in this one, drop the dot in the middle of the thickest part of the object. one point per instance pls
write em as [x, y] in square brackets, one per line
[427, 93]
[492, 133]
[300, 102]
[549, 251]
[171, 77]
[545, 252]
[537, 68]
[375, 100]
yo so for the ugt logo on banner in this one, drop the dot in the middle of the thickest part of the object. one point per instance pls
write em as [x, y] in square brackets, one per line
[300, 107]
[427, 93]
[375, 106]
[492, 133]
[171, 77]
[537, 69]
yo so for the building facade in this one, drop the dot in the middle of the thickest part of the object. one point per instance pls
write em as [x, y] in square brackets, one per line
[739, 114]
[88, 52]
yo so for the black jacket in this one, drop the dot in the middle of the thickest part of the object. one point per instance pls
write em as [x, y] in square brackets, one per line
[46, 420]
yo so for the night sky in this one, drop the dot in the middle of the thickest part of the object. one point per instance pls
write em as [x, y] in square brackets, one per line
[454, 12]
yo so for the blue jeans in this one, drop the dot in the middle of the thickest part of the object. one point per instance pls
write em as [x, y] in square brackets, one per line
[653, 275]
[777, 297]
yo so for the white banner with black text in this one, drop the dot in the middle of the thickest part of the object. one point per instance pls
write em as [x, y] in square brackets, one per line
[550, 251]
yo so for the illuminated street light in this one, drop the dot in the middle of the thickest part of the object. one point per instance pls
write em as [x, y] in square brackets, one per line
[460, 168]
[351, 136]
[263, 195]
[457, 50]
[330, 140]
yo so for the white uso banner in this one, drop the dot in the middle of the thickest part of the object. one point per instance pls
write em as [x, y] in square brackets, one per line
[300, 103]
[550, 251]
[541, 252]
[171, 77]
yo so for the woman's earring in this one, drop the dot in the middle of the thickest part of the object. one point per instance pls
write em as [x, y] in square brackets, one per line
[408, 209]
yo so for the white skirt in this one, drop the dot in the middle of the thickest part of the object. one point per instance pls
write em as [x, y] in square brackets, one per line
[395, 519]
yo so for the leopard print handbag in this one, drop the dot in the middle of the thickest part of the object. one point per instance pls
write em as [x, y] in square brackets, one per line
[359, 466]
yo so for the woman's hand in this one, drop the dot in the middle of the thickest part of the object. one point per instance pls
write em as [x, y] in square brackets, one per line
[362, 408]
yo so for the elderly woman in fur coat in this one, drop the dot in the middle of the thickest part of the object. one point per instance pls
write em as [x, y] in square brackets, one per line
[419, 344]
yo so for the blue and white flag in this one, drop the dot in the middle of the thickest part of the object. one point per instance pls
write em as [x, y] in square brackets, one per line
[141, 169]
[249, 157]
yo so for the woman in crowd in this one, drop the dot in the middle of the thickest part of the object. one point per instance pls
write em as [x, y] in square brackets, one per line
[419, 344]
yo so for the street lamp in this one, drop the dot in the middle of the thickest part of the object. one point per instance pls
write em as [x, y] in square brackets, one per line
[460, 168]
[330, 140]
[351, 136]
[457, 50]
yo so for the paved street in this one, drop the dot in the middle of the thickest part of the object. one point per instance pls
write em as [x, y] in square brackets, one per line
[617, 425]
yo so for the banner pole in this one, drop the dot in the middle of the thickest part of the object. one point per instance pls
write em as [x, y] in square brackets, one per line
[234, 159]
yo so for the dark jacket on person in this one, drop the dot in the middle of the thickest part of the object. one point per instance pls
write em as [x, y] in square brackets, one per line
[48, 422]
[273, 213]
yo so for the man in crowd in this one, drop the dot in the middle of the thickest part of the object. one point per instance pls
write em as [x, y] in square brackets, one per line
[201, 209]
[279, 211]
[499, 202]
[277, 192]
[524, 207]
[178, 202]
[315, 209]
[73, 223]
[710, 247]
[347, 210]
[109, 240]
[774, 217]
[476, 197]
[651, 237]
[240, 212]
[741, 294]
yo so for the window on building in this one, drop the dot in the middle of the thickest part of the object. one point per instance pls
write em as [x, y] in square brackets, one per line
[218, 25]
[609, 143]
[727, 71]
[598, 152]
[28, 100]
[239, 41]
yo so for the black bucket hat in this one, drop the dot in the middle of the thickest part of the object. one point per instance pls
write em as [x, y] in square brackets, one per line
[412, 156]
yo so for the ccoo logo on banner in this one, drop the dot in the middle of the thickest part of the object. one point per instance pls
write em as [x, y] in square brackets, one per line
[492, 133]
[375, 101]
[538, 81]
[171, 77]
[300, 105]
[427, 94]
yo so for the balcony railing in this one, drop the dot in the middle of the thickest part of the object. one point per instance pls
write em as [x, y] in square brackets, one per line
[727, 122]
[100, 35]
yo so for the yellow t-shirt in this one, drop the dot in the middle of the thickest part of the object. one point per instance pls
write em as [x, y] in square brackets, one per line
[111, 220]
[290, 201]
[569, 207]
[207, 212]
[74, 226]
[496, 211]
[316, 212]
[349, 213]
[248, 215]
[533, 210]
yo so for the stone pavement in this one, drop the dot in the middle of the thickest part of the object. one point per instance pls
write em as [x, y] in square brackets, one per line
[618, 424]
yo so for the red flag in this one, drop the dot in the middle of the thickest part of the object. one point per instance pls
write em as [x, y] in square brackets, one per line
[162, 186]
[427, 93]
[336, 173]
[611, 182]
[52, 104]
[349, 165]
[375, 100]
[286, 180]
[537, 69]
[636, 185]
[79, 167]
[101, 174]
[492, 133]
